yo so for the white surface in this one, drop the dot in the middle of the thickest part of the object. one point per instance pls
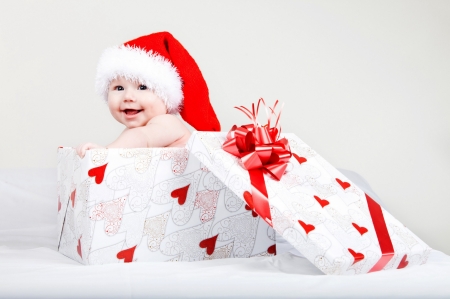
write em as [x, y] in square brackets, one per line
[43, 273]
[30, 267]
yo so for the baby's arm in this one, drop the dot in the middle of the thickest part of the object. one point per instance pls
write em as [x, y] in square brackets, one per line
[161, 131]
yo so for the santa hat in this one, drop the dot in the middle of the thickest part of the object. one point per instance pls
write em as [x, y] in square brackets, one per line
[161, 63]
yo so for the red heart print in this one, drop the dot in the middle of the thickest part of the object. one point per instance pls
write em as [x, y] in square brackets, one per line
[249, 199]
[181, 193]
[322, 202]
[254, 214]
[79, 247]
[361, 229]
[98, 173]
[356, 255]
[299, 159]
[272, 250]
[403, 262]
[209, 244]
[344, 185]
[72, 197]
[59, 204]
[127, 254]
[307, 227]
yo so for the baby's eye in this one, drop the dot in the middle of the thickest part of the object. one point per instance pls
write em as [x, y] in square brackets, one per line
[118, 87]
[142, 87]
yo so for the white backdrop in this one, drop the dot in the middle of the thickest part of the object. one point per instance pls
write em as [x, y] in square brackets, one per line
[366, 84]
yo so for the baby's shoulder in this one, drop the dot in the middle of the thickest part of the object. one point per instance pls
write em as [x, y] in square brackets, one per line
[165, 119]
[165, 130]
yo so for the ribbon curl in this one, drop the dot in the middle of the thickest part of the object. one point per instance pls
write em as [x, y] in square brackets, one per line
[261, 151]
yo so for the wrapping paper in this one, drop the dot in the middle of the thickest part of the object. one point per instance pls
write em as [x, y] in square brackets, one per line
[151, 204]
[195, 203]
[324, 215]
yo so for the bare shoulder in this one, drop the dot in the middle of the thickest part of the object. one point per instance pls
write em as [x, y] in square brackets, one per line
[165, 120]
[165, 130]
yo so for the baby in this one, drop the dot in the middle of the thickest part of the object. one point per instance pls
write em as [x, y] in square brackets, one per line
[146, 82]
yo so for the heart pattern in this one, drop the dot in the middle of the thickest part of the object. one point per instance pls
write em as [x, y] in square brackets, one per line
[127, 254]
[357, 256]
[206, 201]
[403, 263]
[98, 173]
[254, 214]
[59, 204]
[206, 196]
[249, 200]
[111, 212]
[344, 185]
[79, 248]
[209, 244]
[72, 197]
[272, 249]
[361, 229]
[307, 227]
[181, 193]
[322, 202]
[300, 160]
[179, 159]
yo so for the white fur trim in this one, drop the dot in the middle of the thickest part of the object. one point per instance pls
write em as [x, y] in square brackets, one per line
[147, 68]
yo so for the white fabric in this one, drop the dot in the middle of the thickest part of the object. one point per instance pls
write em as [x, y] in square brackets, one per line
[30, 266]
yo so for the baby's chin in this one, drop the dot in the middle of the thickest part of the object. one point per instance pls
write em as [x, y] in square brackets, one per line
[133, 125]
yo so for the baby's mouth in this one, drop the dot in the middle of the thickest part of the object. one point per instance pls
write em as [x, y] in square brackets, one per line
[131, 111]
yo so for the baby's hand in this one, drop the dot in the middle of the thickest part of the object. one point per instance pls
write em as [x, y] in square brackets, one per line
[82, 148]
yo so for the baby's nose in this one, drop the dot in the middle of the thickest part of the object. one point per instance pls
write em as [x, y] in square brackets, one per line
[129, 96]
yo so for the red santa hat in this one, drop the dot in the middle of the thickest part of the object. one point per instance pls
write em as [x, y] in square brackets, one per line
[161, 63]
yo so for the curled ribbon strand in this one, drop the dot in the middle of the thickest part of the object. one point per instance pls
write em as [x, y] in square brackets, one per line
[261, 151]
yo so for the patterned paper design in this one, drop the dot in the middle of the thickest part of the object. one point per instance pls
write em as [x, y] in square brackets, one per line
[111, 213]
[206, 200]
[314, 207]
[155, 228]
[186, 204]
[221, 252]
[179, 159]
[186, 241]
[149, 204]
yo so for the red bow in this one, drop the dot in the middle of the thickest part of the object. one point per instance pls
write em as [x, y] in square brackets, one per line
[261, 151]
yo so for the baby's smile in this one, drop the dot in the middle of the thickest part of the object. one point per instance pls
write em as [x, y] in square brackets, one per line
[131, 111]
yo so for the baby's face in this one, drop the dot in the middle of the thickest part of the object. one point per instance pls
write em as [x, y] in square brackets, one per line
[133, 104]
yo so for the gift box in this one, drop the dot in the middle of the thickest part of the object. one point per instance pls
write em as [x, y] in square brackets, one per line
[151, 204]
[224, 196]
[325, 216]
